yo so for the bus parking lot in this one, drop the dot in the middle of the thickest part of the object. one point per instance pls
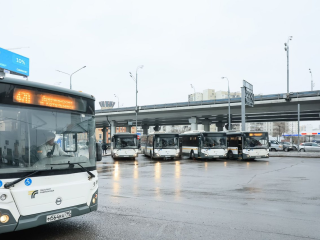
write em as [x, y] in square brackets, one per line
[275, 198]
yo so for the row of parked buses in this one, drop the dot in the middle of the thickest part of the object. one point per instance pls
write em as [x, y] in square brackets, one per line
[193, 144]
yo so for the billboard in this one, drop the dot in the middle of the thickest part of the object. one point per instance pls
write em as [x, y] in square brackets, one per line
[14, 62]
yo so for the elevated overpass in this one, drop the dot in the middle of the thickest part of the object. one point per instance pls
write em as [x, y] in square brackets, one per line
[268, 108]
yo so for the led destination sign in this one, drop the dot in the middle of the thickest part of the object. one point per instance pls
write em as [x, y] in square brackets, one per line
[14, 62]
[48, 100]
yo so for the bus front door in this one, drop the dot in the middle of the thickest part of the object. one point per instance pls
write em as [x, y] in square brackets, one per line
[240, 147]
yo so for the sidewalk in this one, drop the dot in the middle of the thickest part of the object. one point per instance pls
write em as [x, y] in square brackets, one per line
[295, 154]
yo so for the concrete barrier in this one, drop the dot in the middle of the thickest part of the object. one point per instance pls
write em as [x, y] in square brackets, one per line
[295, 154]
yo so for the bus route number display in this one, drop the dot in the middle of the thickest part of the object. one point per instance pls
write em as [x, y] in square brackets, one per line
[45, 99]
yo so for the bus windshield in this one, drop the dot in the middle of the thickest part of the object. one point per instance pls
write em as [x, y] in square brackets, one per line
[214, 141]
[36, 138]
[256, 140]
[126, 142]
[166, 141]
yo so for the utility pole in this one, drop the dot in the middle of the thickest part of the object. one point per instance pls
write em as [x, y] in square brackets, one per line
[312, 84]
[136, 80]
[286, 48]
[298, 126]
[229, 119]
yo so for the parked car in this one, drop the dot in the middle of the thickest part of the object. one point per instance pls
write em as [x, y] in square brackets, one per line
[287, 146]
[316, 141]
[309, 147]
[275, 146]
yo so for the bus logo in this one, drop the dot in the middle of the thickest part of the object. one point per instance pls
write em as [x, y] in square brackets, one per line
[33, 193]
[59, 201]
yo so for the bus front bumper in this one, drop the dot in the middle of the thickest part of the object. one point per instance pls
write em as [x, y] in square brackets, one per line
[30, 221]
[248, 156]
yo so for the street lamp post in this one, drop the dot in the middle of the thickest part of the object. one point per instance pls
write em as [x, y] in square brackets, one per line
[136, 80]
[118, 99]
[229, 120]
[194, 92]
[312, 84]
[71, 74]
[286, 48]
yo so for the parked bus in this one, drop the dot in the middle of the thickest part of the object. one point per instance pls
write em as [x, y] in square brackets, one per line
[160, 145]
[44, 175]
[124, 145]
[200, 144]
[248, 145]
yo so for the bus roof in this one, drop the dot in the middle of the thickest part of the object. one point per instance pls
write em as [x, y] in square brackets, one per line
[125, 134]
[240, 132]
[43, 86]
[197, 132]
[162, 133]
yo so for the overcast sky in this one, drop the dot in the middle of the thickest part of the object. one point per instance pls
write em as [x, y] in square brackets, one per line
[178, 42]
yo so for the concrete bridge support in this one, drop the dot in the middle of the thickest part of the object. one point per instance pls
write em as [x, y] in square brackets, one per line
[128, 128]
[220, 126]
[194, 123]
[113, 128]
[145, 129]
[104, 134]
[206, 124]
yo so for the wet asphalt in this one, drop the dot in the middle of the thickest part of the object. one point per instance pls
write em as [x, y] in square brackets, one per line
[275, 198]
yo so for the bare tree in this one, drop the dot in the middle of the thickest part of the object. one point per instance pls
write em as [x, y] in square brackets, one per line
[279, 128]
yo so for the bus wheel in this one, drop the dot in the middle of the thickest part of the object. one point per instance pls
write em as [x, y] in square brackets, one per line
[151, 156]
[192, 156]
[230, 154]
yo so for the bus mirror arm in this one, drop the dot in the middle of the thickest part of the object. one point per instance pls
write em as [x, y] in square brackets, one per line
[11, 184]
[90, 173]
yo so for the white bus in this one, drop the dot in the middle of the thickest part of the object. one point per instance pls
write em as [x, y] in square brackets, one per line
[44, 175]
[248, 145]
[124, 145]
[160, 145]
[201, 144]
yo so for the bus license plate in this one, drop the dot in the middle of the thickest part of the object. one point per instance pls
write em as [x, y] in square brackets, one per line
[58, 216]
[126, 156]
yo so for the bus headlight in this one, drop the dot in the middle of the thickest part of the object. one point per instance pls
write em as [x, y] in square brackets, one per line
[3, 197]
[4, 218]
[94, 199]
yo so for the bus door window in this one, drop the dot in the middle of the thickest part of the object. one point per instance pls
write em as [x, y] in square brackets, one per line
[240, 144]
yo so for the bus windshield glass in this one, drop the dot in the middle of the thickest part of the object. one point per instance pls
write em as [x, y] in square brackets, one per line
[166, 141]
[256, 140]
[125, 142]
[214, 141]
[34, 138]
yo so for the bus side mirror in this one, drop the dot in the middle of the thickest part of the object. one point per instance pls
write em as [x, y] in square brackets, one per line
[98, 152]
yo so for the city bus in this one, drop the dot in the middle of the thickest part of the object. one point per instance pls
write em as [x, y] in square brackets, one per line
[248, 145]
[124, 145]
[160, 145]
[201, 144]
[44, 175]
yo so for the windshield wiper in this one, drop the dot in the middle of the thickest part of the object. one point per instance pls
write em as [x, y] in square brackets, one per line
[10, 184]
[72, 165]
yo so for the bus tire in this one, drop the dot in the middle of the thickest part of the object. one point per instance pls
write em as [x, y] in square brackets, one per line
[230, 155]
[151, 156]
[273, 150]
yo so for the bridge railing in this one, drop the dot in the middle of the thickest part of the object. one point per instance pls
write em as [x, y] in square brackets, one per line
[214, 101]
